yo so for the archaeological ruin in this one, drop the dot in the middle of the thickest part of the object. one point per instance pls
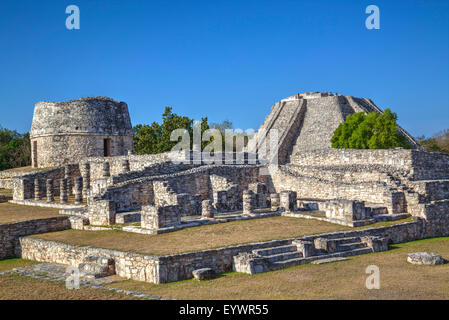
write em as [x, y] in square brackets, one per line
[83, 149]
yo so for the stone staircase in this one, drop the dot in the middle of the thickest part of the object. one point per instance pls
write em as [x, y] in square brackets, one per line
[97, 267]
[304, 251]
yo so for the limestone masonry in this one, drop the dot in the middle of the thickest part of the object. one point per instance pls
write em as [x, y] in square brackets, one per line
[85, 148]
[65, 132]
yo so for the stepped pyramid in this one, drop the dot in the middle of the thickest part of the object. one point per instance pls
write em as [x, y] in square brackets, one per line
[307, 121]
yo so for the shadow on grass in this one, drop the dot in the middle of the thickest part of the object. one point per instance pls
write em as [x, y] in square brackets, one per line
[393, 247]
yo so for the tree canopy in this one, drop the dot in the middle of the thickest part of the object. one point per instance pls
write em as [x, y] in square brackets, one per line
[15, 150]
[155, 138]
[439, 142]
[369, 131]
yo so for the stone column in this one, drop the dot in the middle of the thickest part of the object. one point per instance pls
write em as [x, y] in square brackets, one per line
[288, 200]
[78, 190]
[85, 173]
[50, 190]
[275, 201]
[67, 175]
[37, 190]
[207, 210]
[248, 202]
[63, 190]
[106, 170]
[125, 166]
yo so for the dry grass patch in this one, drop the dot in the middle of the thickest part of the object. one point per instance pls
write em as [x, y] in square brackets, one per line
[197, 238]
[10, 212]
[340, 280]
[17, 287]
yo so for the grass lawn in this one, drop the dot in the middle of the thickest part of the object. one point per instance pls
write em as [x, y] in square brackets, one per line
[339, 280]
[18, 287]
[199, 238]
[9, 264]
[10, 212]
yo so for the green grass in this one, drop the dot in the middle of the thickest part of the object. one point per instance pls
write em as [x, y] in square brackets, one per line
[9, 264]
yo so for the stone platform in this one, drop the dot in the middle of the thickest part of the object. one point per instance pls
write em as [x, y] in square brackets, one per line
[58, 273]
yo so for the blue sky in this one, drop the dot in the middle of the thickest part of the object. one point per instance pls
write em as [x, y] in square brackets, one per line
[225, 59]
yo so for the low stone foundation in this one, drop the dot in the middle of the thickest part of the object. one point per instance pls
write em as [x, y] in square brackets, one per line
[162, 269]
[11, 232]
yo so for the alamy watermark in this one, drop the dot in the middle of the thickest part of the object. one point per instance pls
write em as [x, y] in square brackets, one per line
[240, 147]
[373, 280]
[373, 20]
[73, 279]
[73, 20]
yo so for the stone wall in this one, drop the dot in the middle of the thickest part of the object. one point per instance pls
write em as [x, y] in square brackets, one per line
[416, 164]
[315, 188]
[178, 267]
[131, 194]
[429, 165]
[10, 232]
[127, 264]
[137, 163]
[400, 158]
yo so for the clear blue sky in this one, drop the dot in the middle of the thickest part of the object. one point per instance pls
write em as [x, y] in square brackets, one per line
[225, 59]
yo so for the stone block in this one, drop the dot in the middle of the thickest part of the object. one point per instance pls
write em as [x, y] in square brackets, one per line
[425, 258]
[203, 274]
[307, 248]
[327, 245]
[156, 217]
[288, 201]
[376, 243]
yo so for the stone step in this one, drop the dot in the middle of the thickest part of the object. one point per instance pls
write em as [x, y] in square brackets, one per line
[347, 240]
[351, 246]
[283, 256]
[275, 250]
[298, 261]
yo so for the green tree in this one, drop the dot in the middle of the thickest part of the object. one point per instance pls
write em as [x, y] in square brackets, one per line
[439, 142]
[370, 131]
[155, 138]
[15, 149]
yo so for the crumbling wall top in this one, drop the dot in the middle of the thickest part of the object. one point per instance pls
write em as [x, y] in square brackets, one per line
[90, 115]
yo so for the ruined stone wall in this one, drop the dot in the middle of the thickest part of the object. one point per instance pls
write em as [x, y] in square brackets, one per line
[178, 267]
[127, 264]
[348, 173]
[10, 232]
[129, 195]
[417, 164]
[138, 166]
[399, 158]
[316, 188]
[436, 214]
[431, 190]
[429, 165]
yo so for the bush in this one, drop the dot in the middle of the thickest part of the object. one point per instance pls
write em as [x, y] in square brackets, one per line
[369, 131]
